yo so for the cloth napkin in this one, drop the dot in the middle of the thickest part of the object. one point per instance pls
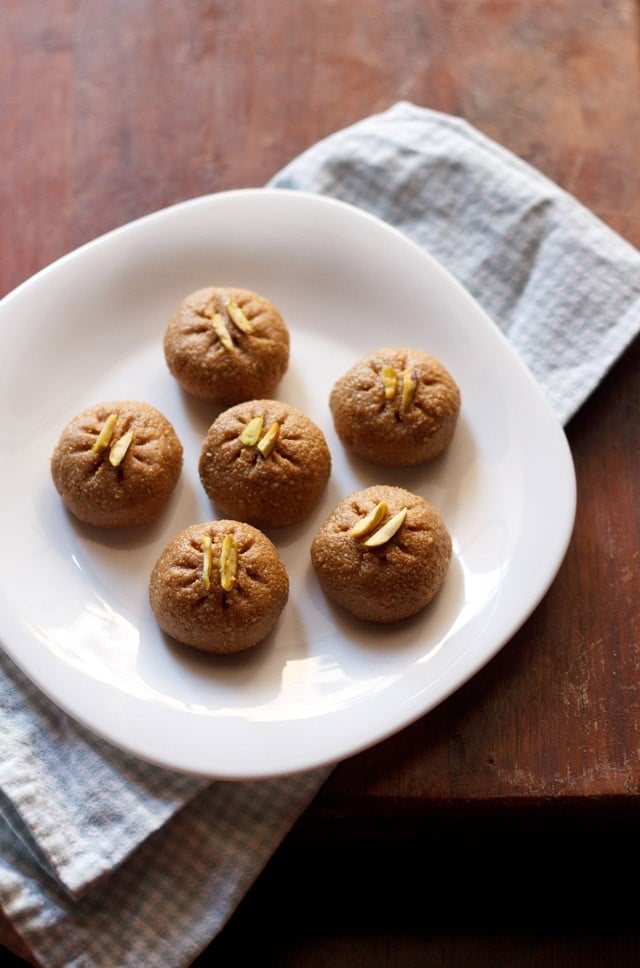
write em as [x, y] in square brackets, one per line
[105, 860]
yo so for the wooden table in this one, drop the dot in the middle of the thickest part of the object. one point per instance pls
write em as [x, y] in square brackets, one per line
[495, 830]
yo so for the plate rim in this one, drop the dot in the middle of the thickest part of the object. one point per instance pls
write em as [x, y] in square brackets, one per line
[482, 659]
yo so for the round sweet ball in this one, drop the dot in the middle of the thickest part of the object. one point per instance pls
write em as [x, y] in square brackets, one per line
[219, 587]
[264, 462]
[396, 407]
[227, 345]
[382, 554]
[116, 464]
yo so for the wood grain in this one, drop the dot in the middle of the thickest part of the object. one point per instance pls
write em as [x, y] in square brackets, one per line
[111, 110]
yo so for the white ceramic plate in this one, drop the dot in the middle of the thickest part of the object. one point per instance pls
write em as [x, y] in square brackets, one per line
[74, 612]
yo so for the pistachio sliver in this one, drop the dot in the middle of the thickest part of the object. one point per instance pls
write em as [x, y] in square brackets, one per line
[221, 331]
[270, 439]
[207, 560]
[103, 439]
[370, 520]
[120, 448]
[238, 317]
[389, 381]
[228, 563]
[251, 433]
[209, 310]
[387, 530]
[409, 384]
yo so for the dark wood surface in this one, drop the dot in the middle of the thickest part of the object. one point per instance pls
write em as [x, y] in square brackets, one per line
[498, 828]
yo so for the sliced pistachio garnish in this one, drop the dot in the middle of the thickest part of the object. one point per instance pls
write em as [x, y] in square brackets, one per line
[103, 439]
[238, 317]
[251, 433]
[207, 560]
[387, 530]
[270, 439]
[210, 309]
[120, 448]
[221, 331]
[409, 384]
[370, 520]
[389, 381]
[228, 563]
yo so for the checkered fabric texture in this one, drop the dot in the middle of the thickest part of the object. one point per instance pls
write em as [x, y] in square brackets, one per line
[562, 286]
[105, 860]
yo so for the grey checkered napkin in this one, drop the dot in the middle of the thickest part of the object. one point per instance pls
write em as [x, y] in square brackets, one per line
[107, 861]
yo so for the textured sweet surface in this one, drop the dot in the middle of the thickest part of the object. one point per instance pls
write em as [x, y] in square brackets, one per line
[251, 364]
[271, 491]
[211, 618]
[136, 490]
[371, 417]
[394, 580]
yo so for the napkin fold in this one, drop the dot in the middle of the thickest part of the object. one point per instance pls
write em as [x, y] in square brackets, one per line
[561, 285]
[106, 860]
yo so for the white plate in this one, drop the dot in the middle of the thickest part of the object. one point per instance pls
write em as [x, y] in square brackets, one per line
[74, 612]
